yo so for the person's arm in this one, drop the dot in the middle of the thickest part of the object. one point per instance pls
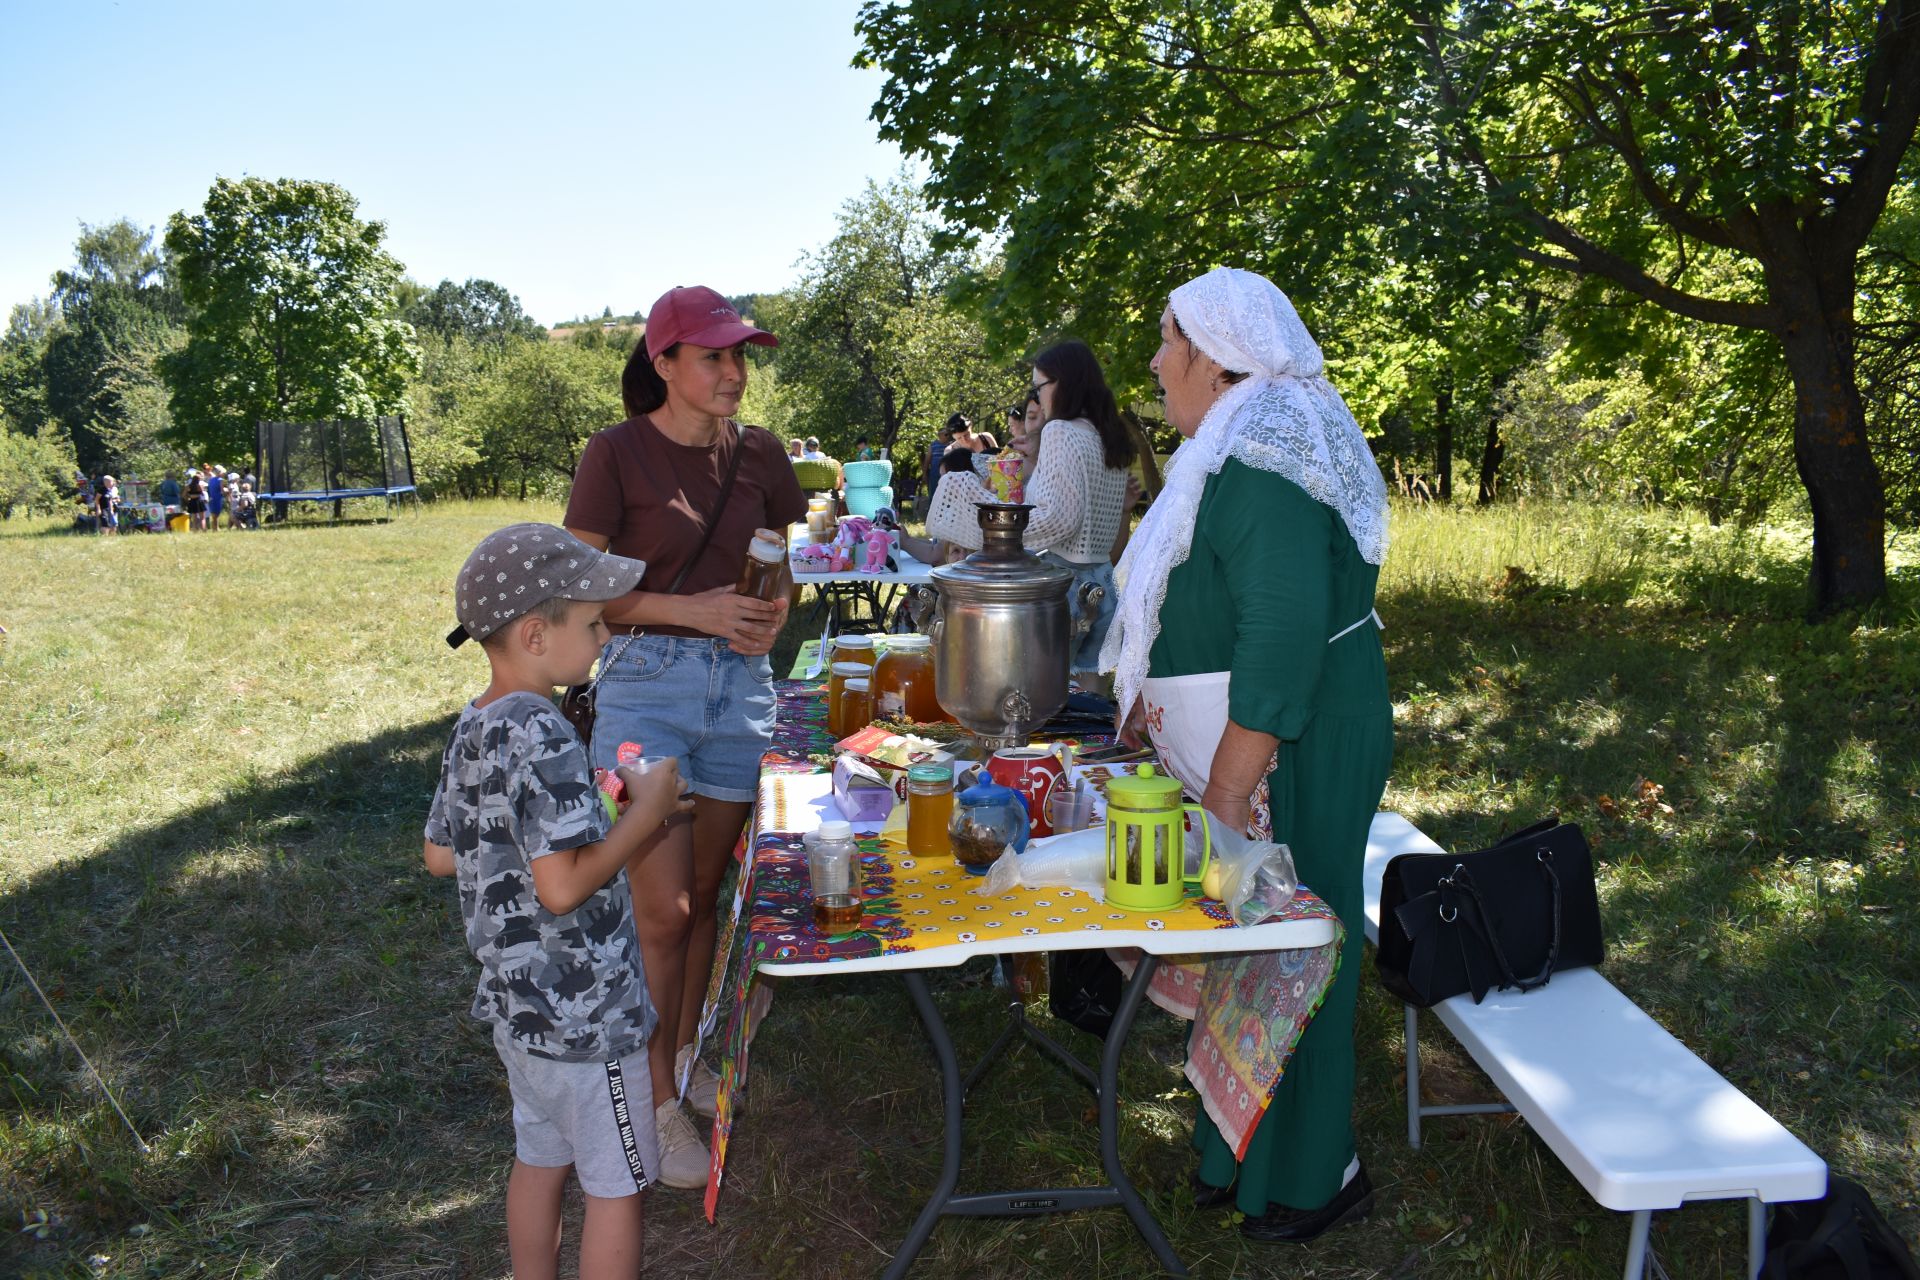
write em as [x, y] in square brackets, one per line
[1059, 498]
[952, 518]
[438, 857]
[565, 878]
[1275, 546]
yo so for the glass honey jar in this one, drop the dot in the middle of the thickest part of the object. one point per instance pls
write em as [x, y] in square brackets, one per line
[929, 810]
[903, 682]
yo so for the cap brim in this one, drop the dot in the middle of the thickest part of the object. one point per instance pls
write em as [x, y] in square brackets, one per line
[731, 333]
[607, 578]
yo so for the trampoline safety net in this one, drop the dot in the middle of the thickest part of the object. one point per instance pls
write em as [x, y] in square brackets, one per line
[335, 459]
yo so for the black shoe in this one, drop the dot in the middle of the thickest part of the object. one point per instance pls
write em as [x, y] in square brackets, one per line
[1208, 1196]
[1280, 1225]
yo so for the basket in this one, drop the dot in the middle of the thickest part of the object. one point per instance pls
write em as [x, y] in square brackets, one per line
[868, 475]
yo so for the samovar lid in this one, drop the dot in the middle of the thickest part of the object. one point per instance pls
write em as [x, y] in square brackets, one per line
[1003, 570]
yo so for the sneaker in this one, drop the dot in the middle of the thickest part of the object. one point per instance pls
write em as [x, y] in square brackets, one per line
[703, 1086]
[684, 1159]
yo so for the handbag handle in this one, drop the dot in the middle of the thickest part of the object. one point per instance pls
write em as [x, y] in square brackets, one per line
[1462, 879]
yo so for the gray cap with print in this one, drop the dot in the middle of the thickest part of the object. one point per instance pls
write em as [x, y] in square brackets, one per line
[525, 565]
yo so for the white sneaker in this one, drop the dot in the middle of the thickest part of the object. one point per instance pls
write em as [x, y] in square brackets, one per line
[703, 1086]
[684, 1159]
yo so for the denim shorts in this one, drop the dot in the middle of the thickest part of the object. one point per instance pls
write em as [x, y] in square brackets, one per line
[1086, 654]
[691, 697]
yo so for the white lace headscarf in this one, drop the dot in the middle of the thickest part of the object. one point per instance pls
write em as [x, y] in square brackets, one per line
[1285, 418]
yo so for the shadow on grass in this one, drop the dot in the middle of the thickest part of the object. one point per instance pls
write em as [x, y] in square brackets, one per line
[278, 991]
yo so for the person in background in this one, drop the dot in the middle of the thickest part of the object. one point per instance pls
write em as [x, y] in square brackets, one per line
[1076, 484]
[246, 514]
[862, 451]
[943, 441]
[797, 449]
[193, 496]
[983, 442]
[109, 501]
[813, 453]
[686, 672]
[216, 494]
[1006, 473]
[169, 493]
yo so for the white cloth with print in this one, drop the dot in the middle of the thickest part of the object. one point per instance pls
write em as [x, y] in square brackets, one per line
[1285, 418]
[1078, 501]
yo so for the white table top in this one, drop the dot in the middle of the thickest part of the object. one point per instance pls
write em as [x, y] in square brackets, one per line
[912, 573]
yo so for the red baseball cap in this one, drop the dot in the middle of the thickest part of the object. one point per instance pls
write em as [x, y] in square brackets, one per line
[696, 314]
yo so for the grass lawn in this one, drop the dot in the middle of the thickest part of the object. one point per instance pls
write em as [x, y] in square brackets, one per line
[213, 770]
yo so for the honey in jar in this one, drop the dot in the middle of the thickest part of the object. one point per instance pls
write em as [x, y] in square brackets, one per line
[929, 810]
[837, 677]
[903, 681]
[856, 704]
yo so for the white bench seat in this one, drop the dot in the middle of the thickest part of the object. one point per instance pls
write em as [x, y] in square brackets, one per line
[1638, 1119]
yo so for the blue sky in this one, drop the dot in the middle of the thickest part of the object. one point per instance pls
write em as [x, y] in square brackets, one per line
[581, 155]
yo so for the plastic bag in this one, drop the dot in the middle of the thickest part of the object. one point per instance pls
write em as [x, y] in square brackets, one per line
[1077, 860]
[1253, 878]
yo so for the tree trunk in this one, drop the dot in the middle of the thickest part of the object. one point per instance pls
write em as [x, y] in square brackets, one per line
[1490, 457]
[1830, 444]
[1443, 436]
[1143, 445]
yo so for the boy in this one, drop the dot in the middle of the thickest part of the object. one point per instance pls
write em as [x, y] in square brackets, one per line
[544, 896]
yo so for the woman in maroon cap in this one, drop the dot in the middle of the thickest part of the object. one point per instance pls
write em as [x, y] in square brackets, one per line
[683, 486]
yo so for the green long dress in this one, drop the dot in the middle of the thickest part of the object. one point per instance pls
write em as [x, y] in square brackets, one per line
[1271, 575]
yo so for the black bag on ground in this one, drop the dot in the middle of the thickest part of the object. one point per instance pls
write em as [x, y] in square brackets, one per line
[1509, 916]
[1841, 1237]
[1083, 988]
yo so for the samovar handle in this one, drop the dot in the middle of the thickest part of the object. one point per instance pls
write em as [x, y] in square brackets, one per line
[1087, 608]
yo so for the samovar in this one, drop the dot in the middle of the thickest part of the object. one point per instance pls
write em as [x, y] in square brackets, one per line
[1004, 631]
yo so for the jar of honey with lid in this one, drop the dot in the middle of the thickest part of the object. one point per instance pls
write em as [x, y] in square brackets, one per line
[903, 681]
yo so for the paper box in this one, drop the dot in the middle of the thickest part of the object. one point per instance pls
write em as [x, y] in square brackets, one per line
[864, 794]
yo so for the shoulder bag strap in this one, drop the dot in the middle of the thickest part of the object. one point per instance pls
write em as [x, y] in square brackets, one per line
[679, 579]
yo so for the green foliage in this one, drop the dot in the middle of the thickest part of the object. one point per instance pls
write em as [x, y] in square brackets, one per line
[479, 311]
[36, 471]
[871, 344]
[528, 413]
[1432, 185]
[290, 301]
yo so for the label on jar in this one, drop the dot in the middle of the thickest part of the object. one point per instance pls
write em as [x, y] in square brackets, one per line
[890, 705]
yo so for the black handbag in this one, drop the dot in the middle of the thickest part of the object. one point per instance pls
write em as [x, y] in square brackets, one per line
[577, 700]
[1843, 1236]
[1506, 917]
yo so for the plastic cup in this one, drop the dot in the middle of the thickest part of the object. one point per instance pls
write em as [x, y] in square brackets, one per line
[1070, 811]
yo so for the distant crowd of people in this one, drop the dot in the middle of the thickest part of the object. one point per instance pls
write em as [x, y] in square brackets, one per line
[207, 493]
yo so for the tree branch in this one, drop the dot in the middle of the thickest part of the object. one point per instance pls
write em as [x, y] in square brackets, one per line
[1890, 107]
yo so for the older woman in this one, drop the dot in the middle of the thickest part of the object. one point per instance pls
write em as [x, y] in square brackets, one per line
[683, 487]
[1246, 642]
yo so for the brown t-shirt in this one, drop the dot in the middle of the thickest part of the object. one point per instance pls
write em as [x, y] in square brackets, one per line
[651, 497]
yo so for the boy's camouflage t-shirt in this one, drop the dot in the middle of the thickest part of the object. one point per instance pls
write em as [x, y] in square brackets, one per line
[515, 786]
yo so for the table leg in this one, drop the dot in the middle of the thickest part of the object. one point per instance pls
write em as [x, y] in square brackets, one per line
[1110, 1118]
[950, 1098]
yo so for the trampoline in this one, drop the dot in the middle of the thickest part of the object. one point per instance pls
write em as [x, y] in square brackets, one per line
[332, 461]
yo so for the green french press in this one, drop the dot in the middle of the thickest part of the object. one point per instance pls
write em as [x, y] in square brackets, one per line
[1147, 843]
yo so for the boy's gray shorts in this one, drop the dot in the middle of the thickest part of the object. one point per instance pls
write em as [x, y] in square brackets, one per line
[595, 1116]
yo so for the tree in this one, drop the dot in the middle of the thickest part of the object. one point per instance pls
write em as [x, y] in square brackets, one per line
[115, 301]
[479, 310]
[36, 470]
[871, 343]
[532, 410]
[291, 302]
[1634, 146]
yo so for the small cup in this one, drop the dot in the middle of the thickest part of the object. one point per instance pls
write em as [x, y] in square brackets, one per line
[1070, 811]
[647, 764]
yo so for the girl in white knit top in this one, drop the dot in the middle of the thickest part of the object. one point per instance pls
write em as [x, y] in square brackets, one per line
[1076, 482]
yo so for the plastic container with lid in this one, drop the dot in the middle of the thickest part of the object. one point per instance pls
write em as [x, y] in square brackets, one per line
[929, 809]
[837, 676]
[833, 871]
[903, 682]
[856, 704]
